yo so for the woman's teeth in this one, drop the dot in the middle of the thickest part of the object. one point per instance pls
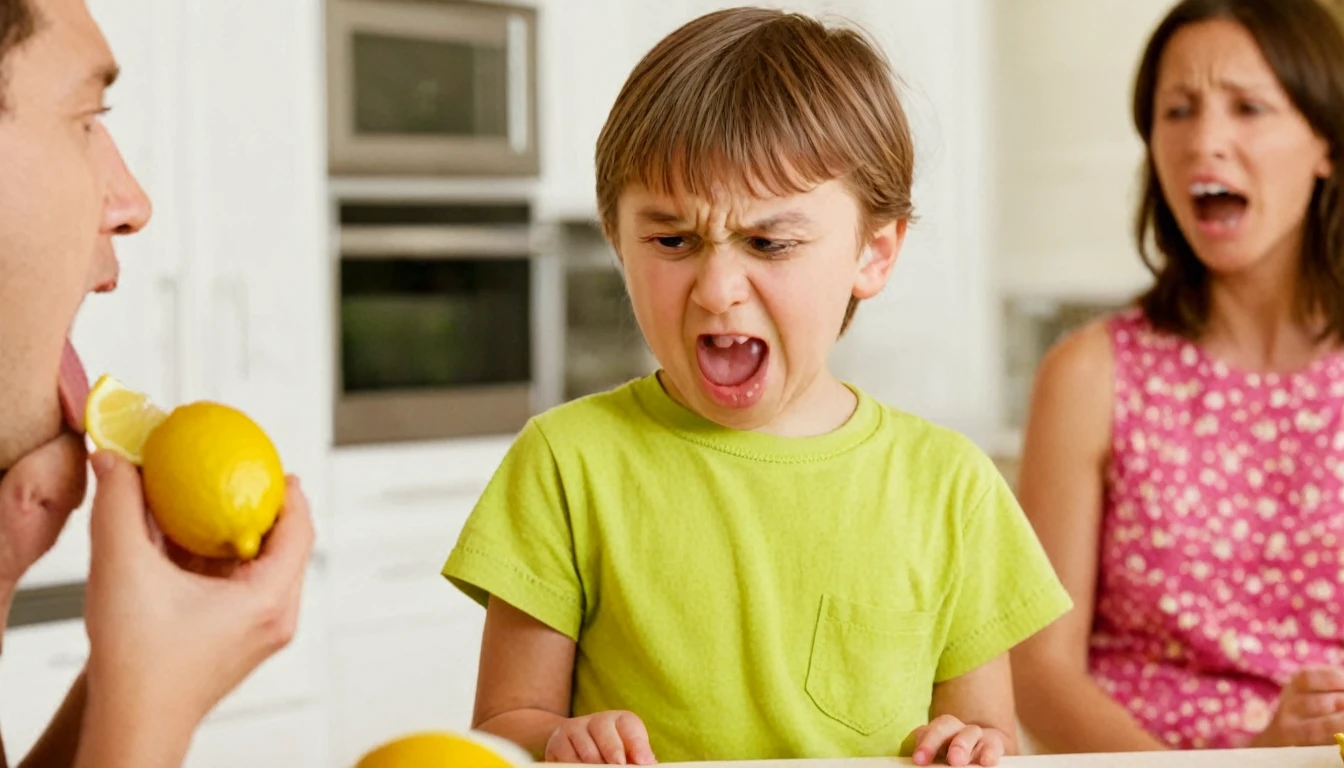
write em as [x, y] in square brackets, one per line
[1203, 188]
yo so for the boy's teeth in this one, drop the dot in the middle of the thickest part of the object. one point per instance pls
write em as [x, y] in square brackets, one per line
[1202, 188]
[723, 342]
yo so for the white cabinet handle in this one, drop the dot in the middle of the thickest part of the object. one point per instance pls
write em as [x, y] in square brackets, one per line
[232, 292]
[172, 340]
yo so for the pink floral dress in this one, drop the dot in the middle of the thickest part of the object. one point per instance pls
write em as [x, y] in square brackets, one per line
[1220, 559]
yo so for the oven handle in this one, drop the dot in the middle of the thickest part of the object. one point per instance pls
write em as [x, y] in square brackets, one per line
[436, 242]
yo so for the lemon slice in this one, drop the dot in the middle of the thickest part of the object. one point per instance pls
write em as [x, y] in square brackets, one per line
[1339, 739]
[119, 420]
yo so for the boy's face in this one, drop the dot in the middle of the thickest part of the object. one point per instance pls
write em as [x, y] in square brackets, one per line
[741, 298]
[64, 193]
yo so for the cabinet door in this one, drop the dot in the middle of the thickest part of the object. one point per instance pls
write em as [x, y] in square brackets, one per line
[39, 664]
[258, 218]
[406, 676]
[286, 738]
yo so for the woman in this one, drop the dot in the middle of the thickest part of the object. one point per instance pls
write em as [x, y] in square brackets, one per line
[1184, 460]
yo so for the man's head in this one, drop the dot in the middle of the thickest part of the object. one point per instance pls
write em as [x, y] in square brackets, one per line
[755, 178]
[64, 193]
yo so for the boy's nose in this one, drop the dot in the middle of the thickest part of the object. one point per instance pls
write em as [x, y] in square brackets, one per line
[722, 283]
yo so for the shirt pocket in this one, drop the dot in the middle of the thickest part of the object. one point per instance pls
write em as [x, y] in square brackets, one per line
[864, 660]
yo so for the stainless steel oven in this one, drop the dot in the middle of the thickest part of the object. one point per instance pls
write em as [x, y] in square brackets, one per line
[441, 312]
[439, 87]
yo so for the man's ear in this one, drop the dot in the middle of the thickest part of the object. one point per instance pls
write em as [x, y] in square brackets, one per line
[878, 257]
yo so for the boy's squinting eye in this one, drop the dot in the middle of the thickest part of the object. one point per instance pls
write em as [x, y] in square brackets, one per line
[770, 247]
[672, 243]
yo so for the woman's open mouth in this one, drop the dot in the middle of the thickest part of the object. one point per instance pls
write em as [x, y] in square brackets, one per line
[1219, 210]
[732, 368]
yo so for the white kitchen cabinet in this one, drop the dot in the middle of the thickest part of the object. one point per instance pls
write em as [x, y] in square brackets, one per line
[404, 642]
[1068, 154]
[37, 667]
[277, 738]
[405, 676]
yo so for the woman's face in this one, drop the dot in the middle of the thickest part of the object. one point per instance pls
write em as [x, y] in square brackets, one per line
[1236, 160]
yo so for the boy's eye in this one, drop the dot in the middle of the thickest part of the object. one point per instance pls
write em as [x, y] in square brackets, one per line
[671, 241]
[768, 246]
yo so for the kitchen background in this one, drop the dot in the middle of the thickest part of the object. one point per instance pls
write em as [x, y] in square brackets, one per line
[374, 231]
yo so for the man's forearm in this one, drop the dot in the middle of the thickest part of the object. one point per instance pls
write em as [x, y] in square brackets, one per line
[60, 741]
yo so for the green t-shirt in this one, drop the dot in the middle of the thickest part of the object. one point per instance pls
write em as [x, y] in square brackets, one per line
[751, 596]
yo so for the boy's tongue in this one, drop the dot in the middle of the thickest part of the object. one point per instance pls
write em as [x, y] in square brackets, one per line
[728, 361]
[73, 388]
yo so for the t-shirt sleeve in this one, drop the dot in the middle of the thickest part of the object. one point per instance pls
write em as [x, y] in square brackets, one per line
[517, 544]
[1008, 589]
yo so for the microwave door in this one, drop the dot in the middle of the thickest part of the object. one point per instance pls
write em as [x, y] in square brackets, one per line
[431, 88]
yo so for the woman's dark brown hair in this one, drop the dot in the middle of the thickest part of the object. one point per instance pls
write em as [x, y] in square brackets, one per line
[1303, 43]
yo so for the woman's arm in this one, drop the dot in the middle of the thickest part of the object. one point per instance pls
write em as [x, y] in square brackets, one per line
[1060, 486]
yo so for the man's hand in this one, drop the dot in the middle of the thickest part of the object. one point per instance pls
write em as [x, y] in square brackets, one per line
[37, 496]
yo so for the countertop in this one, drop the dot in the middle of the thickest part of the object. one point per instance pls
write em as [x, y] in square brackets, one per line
[1310, 757]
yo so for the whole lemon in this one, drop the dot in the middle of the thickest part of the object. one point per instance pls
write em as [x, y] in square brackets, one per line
[444, 750]
[213, 480]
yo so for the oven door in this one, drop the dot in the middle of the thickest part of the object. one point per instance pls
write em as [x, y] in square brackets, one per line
[435, 333]
[431, 87]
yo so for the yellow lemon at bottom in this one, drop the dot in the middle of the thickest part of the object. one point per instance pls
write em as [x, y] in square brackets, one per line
[433, 749]
[213, 480]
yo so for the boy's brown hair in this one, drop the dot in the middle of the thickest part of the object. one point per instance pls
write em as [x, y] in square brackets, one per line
[776, 101]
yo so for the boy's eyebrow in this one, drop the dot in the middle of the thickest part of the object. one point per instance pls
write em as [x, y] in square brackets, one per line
[658, 216]
[784, 219]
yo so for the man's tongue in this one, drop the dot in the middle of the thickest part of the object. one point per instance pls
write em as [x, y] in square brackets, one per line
[73, 388]
[728, 361]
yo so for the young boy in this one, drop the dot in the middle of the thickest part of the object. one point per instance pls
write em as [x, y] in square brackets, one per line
[742, 557]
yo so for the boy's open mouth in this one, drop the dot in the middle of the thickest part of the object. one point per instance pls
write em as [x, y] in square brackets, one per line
[732, 367]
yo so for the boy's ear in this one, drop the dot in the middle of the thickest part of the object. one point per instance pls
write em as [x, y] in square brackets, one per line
[878, 258]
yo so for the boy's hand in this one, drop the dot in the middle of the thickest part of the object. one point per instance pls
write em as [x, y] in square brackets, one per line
[604, 738]
[958, 743]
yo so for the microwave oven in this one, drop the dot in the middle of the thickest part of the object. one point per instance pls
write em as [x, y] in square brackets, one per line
[431, 87]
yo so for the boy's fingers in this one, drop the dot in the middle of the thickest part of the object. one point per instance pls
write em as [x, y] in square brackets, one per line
[936, 734]
[636, 739]
[584, 749]
[962, 748]
[608, 740]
